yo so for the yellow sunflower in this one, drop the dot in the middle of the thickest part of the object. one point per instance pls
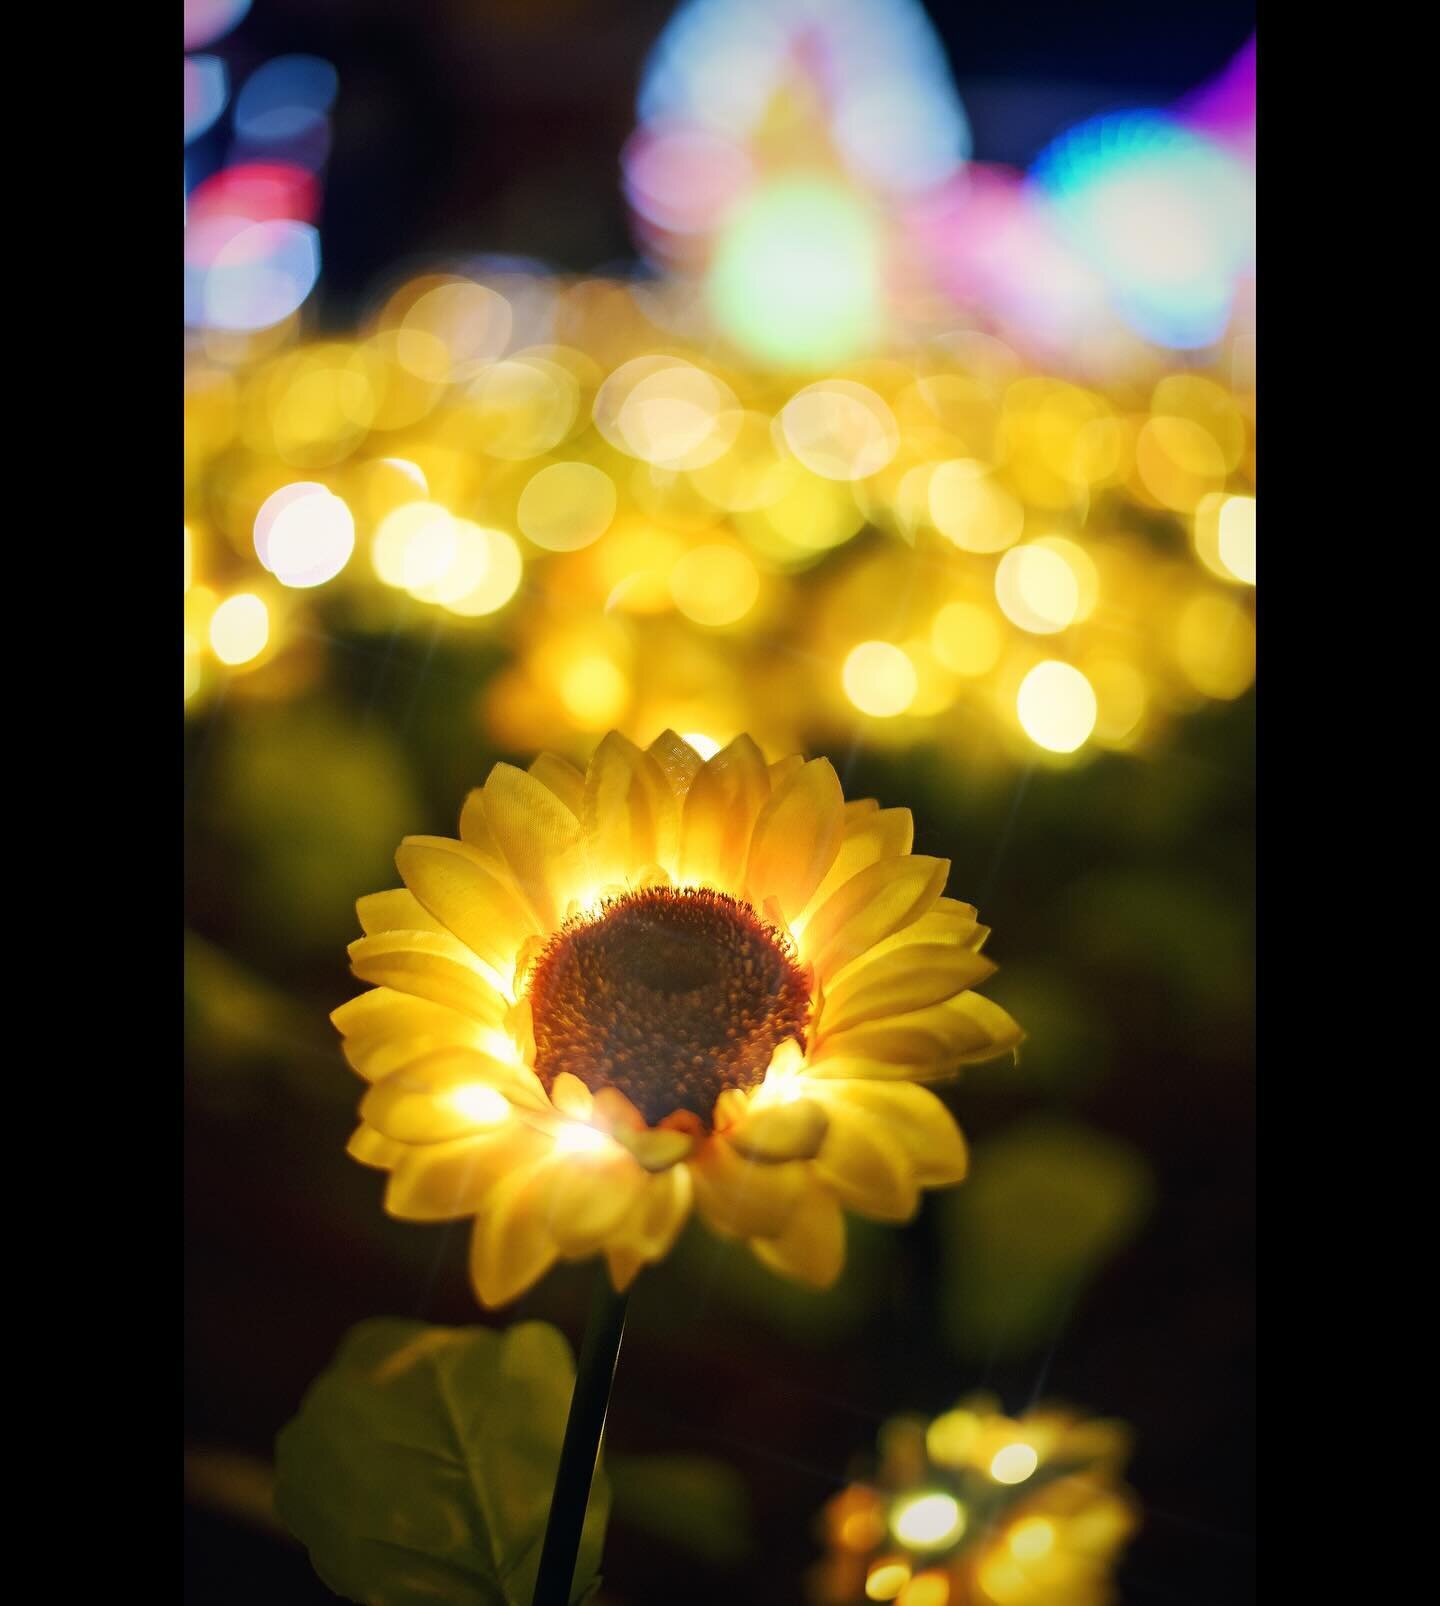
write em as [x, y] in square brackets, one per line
[659, 985]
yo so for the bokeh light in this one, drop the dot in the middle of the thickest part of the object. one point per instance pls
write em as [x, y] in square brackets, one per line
[879, 679]
[1057, 707]
[239, 629]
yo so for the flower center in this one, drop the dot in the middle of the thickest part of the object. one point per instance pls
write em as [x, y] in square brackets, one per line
[671, 995]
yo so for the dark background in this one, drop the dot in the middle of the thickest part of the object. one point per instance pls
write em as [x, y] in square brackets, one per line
[1120, 894]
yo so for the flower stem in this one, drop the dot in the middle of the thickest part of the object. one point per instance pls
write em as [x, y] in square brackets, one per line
[588, 1405]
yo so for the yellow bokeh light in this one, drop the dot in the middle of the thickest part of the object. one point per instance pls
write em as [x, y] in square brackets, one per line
[1031, 1538]
[189, 557]
[971, 508]
[862, 1530]
[965, 638]
[840, 430]
[1057, 709]
[450, 331]
[1121, 695]
[927, 1589]
[497, 584]
[677, 417]
[566, 506]
[1004, 1581]
[1215, 645]
[1178, 462]
[239, 629]
[1237, 537]
[886, 1579]
[706, 746]
[594, 690]
[414, 545]
[879, 679]
[928, 1521]
[950, 1439]
[523, 406]
[479, 1104]
[714, 585]
[1015, 1462]
[1037, 589]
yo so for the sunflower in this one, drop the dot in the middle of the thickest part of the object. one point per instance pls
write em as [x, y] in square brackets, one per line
[657, 986]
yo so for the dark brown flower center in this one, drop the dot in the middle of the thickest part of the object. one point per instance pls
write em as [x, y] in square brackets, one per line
[671, 995]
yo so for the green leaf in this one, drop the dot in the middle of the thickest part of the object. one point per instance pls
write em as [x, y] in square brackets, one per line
[1044, 1207]
[421, 1464]
[690, 1501]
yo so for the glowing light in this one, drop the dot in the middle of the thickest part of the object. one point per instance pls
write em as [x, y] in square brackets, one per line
[209, 20]
[1031, 1538]
[304, 534]
[795, 278]
[1015, 1462]
[972, 508]
[950, 1439]
[928, 1522]
[681, 179]
[886, 1579]
[575, 1138]
[206, 89]
[1215, 645]
[714, 585]
[1057, 710]
[499, 578]
[483, 1106]
[1166, 215]
[239, 629]
[879, 679]
[966, 638]
[1237, 537]
[523, 406]
[840, 430]
[1179, 462]
[566, 506]
[706, 746]
[452, 330]
[1121, 693]
[594, 690]
[259, 276]
[1037, 589]
[927, 1589]
[668, 413]
[414, 545]
[284, 99]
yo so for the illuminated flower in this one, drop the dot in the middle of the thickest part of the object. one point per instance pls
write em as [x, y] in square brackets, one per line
[657, 985]
[977, 1509]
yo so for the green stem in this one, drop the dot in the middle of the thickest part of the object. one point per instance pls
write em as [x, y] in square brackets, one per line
[588, 1405]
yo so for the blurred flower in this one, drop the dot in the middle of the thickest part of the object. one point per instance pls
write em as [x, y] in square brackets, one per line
[977, 1509]
[662, 983]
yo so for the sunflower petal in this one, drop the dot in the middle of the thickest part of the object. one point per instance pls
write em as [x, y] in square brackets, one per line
[373, 1148]
[870, 906]
[589, 1197]
[428, 964]
[678, 761]
[947, 921]
[475, 832]
[797, 836]
[451, 1093]
[741, 1198]
[719, 816]
[461, 889]
[792, 1131]
[563, 778]
[926, 1042]
[870, 837]
[812, 1247]
[867, 1167]
[512, 1247]
[540, 840]
[913, 1116]
[629, 814]
[444, 1181]
[399, 910]
[906, 979]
